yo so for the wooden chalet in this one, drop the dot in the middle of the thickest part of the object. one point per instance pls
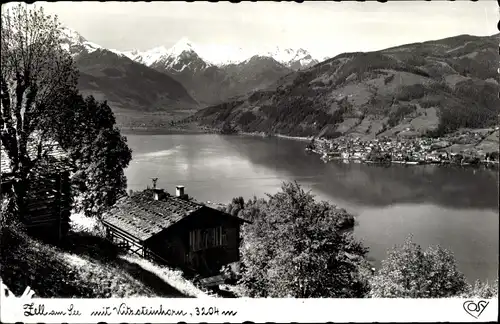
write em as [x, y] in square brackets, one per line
[175, 231]
[47, 207]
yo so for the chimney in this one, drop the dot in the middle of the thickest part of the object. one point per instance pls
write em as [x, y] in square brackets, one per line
[179, 192]
[154, 182]
[157, 193]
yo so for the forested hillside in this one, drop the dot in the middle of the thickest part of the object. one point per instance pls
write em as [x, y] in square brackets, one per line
[129, 85]
[431, 88]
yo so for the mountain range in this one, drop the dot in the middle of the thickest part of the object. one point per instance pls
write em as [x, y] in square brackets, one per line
[433, 87]
[430, 87]
[190, 76]
[217, 75]
[125, 84]
[221, 55]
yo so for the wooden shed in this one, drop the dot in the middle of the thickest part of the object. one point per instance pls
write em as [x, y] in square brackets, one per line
[174, 230]
[47, 206]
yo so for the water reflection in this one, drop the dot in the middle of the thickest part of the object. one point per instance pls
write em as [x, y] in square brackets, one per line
[372, 185]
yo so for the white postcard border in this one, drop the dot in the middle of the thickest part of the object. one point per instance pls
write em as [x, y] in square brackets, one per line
[238, 310]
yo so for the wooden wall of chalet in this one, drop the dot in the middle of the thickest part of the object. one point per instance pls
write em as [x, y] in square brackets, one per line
[210, 261]
[173, 244]
[47, 207]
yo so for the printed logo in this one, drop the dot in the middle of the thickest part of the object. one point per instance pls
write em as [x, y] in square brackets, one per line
[475, 309]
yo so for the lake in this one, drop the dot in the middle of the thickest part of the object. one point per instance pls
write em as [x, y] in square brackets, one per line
[454, 207]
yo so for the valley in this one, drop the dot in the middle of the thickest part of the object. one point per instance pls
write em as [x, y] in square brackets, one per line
[176, 79]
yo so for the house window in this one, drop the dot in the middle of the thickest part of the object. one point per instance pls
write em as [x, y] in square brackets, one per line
[202, 239]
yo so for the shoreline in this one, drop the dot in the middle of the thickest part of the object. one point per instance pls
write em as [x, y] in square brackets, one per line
[295, 138]
[158, 131]
[207, 130]
[488, 165]
[175, 131]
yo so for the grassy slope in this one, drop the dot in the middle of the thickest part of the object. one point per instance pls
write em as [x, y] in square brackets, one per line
[423, 86]
[85, 266]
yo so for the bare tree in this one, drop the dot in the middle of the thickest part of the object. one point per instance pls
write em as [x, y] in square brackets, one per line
[37, 74]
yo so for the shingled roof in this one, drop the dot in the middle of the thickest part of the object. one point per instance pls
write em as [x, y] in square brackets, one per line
[54, 154]
[143, 217]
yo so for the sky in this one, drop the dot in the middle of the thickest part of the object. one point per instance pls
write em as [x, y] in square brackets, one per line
[324, 28]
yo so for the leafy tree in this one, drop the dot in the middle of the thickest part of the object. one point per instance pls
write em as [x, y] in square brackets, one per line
[87, 131]
[410, 272]
[236, 205]
[298, 247]
[249, 210]
[35, 75]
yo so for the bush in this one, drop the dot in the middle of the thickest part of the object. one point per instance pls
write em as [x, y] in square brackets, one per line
[410, 272]
[482, 290]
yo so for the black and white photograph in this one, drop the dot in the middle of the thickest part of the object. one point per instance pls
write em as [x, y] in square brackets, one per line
[224, 151]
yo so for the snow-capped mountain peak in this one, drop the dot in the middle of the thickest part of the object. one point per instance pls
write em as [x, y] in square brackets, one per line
[180, 56]
[186, 54]
[151, 56]
[130, 54]
[220, 55]
[162, 54]
[71, 35]
[183, 45]
[74, 43]
[295, 58]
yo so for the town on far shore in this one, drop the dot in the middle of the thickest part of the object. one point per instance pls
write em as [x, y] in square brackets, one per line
[465, 147]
